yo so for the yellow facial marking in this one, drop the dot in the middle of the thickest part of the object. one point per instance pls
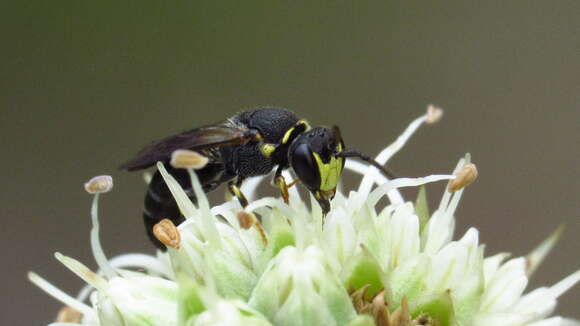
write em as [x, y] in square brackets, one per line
[288, 133]
[329, 172]
[267, 149]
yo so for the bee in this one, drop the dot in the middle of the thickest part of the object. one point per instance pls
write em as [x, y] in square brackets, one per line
[250, 143]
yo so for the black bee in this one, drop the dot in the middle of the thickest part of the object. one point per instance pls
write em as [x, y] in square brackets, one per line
[249, 143]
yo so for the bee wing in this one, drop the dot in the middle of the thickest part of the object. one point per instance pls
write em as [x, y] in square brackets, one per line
[196, 139]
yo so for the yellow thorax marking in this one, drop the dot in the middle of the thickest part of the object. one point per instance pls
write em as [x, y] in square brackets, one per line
[267, 149]
[329, 172]
[288, 133]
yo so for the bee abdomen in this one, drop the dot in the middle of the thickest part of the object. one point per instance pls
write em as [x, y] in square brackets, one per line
[160, 204]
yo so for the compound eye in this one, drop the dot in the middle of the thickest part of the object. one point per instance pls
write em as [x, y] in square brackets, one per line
[305, 167]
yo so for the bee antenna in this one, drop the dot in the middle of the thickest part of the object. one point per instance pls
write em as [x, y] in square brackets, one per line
[337, 133]
[366, 158]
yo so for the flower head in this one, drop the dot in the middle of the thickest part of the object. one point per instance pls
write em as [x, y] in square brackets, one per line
[273, 263]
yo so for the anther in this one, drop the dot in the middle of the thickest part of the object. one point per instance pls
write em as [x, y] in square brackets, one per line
[246, 219]
[166, 232]
[463, 178]
[99, 184]
[68, 314]
[434, 114]
[186, 159]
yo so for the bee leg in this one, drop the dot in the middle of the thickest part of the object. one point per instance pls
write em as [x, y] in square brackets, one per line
[293, 183]
[280, 182]
[234, 188]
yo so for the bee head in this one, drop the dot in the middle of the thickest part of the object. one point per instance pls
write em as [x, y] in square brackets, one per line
[314, 158]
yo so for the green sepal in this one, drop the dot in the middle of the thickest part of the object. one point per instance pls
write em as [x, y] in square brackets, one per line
[362, 320]
[232, 278]
[439, 307]
[189, 300]
[364, 270]
[468, 297]
[422, 208]
[280, 236]
[407, 279]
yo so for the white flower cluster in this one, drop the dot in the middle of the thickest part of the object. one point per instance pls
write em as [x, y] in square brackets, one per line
[359, 265]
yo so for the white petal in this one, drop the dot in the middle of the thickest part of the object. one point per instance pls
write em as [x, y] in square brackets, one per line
[506, 287]
[491, 265]
[388, 152]
[564, 285]
[404, 237]
[538, 304]
[554, 321]
[499, 319]
[569, 322]
[250, 186]
[438, 232]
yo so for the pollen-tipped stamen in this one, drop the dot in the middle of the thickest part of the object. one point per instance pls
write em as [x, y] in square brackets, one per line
[99, 184]
[186, 159]
[167, 233]
[104, 183]
[68, 314]
[245, 219]
[434, 114]
[386, 154]
[464, 177]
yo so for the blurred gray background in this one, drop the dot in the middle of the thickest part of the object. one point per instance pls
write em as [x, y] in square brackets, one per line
[85, 84]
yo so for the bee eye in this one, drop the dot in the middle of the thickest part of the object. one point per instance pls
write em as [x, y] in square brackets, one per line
[305, 167]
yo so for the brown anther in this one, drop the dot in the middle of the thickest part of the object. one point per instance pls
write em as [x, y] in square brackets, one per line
[401, 316]
[405, 313]
[166, 232]
[358, 299]
[379, 299]
[423, 320]
[99, 184]
[382, 316]
[68, 314]
[246, 219]
[186, 159]
[464, 177]
[380, 310]
[434, 114]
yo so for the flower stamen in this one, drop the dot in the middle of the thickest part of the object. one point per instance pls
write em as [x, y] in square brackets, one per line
[99, 184]
[96, 186]
[463, 178]
[68, 314]
[434, 114]
[187, 159]
[166, 232]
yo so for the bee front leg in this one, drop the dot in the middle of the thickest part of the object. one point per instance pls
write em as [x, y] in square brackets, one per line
[280, 182]
[234, 188]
